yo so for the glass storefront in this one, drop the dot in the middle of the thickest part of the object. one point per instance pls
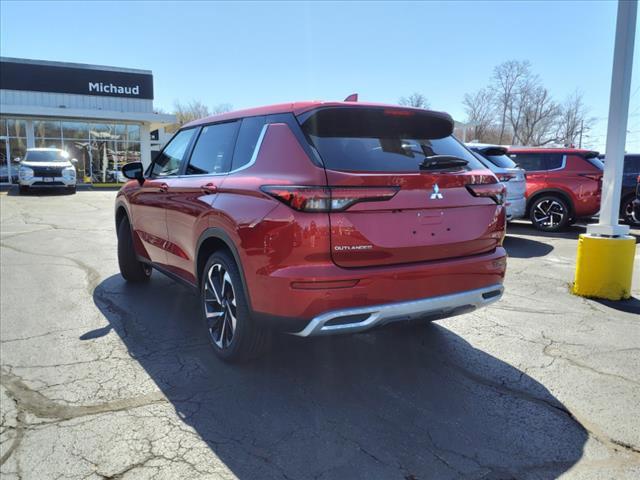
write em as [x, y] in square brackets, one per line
[99, 148]
[15, 132]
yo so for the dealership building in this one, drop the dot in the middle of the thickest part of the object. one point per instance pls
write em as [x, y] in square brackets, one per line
[102, 116]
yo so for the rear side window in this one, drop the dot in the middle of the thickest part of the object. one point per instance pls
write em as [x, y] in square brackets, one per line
[381, 140]
[168, 162]
[248, 138]
[533, 162]
[213, 149]
[554, 160]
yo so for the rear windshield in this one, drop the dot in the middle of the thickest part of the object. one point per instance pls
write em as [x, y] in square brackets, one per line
[596, 162]
[382, 140]
[46, 156]
[501, 161]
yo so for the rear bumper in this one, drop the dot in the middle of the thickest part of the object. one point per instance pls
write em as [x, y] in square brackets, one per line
[354, 320]
[279, 302]
[516, 207]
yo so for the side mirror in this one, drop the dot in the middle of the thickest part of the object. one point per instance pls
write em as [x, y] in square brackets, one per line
[74, 160]
[134, 171]
[17, 160]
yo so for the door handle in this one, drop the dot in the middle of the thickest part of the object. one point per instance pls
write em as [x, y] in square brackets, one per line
[164, 188]
[209, 188]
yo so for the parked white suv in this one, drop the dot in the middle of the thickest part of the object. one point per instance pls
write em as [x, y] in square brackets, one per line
[46, 167]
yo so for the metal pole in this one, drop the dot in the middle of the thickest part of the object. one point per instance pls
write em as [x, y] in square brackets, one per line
[617, 123]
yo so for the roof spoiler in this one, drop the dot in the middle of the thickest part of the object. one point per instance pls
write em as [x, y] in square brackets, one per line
[493, 150]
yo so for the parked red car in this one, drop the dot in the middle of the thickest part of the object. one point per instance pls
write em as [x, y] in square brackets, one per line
[563, 184]
[316, 218]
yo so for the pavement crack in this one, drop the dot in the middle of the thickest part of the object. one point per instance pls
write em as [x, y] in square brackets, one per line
[31, 401]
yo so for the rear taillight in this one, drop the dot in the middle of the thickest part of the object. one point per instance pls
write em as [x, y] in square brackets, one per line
[327, 199]
[592, 176]
[495, 191]
[505, 177]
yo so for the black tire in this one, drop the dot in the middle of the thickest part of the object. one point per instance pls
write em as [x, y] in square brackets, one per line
[247, 340]
[130, 267]
[549, 213]
[71, 190]
[626, 212]
[23, 189]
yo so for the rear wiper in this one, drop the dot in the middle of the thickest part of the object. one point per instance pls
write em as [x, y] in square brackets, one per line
[442, 162]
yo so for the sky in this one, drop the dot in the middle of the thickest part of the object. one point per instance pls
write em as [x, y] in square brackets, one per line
[252, 54]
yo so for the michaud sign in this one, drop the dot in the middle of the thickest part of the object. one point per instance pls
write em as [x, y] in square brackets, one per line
[80, 81]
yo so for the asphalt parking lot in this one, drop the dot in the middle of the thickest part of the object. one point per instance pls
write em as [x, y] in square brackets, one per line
[105, 380]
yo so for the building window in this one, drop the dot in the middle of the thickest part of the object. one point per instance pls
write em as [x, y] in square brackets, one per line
[16, 128]
[100, 148]
[79, 130]
[47, 129]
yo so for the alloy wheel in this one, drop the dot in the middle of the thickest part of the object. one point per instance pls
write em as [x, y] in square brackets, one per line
[629, 214]
[549, 213]
[220, 306]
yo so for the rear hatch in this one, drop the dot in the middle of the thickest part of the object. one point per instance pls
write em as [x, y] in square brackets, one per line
[513, 177]
[398, 211]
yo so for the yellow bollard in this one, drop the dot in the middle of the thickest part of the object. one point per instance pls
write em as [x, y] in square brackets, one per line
[604, 267]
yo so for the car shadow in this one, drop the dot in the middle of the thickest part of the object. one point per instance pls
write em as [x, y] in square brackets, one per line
[13, 191]
[571, 232]
[519, 247]
[631, 305]
[408, 402]
[525, 228]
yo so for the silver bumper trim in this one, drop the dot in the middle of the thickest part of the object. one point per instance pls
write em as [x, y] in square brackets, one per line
[442, 306]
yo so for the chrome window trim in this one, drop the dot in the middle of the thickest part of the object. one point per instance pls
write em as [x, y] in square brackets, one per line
[561, 167]
[254, 157]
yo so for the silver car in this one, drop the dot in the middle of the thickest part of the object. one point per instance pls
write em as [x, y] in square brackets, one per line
[46, 167]
[514, 178]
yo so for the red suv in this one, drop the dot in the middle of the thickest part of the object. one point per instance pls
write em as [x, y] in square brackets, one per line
[316, 218]
[563, 184]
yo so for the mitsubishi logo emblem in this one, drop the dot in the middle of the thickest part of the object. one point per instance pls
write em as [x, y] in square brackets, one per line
[436, 195]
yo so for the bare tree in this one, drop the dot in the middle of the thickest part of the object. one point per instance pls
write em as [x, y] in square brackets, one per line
[221, 108]
[188, 112]
[195, 109]
[538, 117]
[480, 108]
[508, 78]
[572, 120]
[414, 100]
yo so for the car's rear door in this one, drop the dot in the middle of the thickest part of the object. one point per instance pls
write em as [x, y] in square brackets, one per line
[191, 196]
[148, 202]
[431, 214]
[535, 166]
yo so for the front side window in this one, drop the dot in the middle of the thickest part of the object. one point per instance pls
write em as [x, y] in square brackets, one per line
[168, 162]
[213, 149]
